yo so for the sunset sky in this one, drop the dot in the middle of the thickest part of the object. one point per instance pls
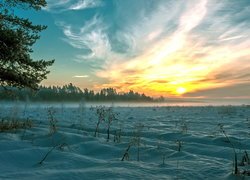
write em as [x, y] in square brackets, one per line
[173, 48]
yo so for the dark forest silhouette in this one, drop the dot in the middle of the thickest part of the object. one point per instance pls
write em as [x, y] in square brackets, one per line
[71, 93]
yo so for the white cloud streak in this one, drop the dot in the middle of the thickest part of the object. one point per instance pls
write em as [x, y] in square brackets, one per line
[193, 16]
[232, 38]
[84, 4]
[65, 5]
[80, 76]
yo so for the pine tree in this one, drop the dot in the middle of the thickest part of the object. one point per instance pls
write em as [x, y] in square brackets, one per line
[17, 35]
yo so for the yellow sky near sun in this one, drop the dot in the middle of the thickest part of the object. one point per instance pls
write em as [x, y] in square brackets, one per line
[177, 64]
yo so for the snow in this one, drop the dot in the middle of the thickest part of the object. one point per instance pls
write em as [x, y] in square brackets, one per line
[74, 153]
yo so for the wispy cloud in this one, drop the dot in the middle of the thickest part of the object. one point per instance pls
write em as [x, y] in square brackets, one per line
[64, 5]
[192, 17]
[145, 23]
[231, 38]
[91, 37]
[51, 4]
[80, 76]
[83, 4]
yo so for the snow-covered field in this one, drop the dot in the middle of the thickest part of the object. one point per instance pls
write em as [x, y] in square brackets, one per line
[161, 142]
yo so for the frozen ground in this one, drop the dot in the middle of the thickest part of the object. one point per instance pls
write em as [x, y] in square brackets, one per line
[174, 142]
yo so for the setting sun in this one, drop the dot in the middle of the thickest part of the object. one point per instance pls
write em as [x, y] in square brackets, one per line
[181, 90]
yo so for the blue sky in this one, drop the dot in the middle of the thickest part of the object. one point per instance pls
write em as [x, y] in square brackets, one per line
[179, 48]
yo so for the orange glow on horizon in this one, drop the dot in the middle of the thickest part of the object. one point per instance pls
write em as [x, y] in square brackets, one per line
[178, 64]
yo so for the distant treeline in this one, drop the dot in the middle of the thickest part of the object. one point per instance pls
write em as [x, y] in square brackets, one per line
[71, 93]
